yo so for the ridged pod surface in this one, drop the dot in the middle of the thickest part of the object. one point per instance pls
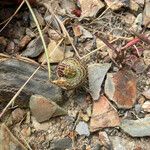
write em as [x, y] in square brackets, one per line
[71, 73]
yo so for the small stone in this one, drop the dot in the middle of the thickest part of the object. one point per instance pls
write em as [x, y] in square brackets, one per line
[56, 55]
[24, 41]
[54, 35]
[61, 144]
[85, 117]
[104, 139]
[44, 126]
[35, 47]
[3, 44]
[104, 115]
[146, 106]
[82, 128]
[147, 94]
[26, 131]
[18, 115]
[43, 109]
[137, 25]
[129, 18]
[10, 49]
[136, 128]
[30, 33]
[116, 4]
[141, 100]
[39, 18]
[139, 66]
[137, 108]
[91, 9]
[133, 6]
[96, 75]
[120, 87]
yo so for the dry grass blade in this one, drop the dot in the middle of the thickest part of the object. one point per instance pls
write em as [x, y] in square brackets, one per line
[9, 19]
[62, 27]
[18, 92]
[41, 35]
[94, 51]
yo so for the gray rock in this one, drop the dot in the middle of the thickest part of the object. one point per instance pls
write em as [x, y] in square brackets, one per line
[35, 47]
[136, 128]
[137, 108]
[43, 109]
[61, 144]
[129, 143]
[96, 74]
[14, 73]
[82, 128]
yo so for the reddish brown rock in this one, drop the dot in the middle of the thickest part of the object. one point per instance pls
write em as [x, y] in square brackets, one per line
[17, 115]
[43, 109]
[120, 87]
[24, 41]
[104, 115]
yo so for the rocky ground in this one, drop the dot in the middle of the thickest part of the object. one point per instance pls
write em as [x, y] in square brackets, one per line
[105, 105]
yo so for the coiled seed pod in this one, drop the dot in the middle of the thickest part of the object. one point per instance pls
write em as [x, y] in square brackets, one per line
[71, 73]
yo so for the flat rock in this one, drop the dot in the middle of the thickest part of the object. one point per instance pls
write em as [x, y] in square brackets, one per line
[91, 9]
[96, 74]
[136, 128]
[147, 94]
[61, 144]
[15, 72]
[35, 47]
[8, 141]
[120, 87]
[82, 128]
[128, 143]
[43, 109]
[104, 115]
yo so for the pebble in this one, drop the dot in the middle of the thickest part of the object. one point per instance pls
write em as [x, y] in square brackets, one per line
[82, 128]
[43, 109]
[147, 94]
[35, 47]
[136, 128]
[96, 75]
[61, 144]
[146, 106]
[18, 115]
[104, 139]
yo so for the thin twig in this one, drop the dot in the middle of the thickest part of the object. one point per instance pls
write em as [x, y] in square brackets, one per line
[63, 28]
[94, 51]
[41, 36]
[18, 92]
[9, 19]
